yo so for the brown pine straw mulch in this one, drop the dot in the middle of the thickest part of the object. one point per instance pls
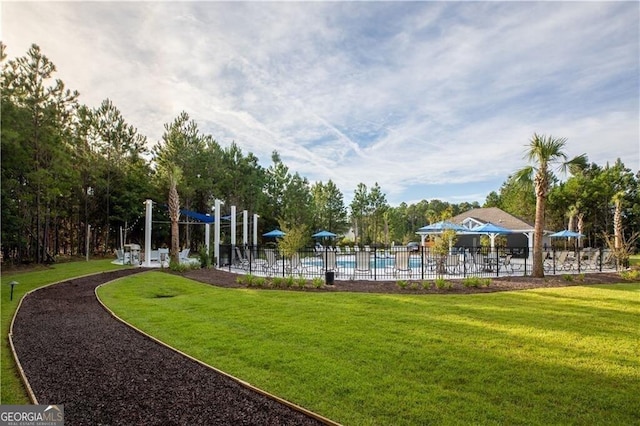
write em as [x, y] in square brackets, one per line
[75, 353]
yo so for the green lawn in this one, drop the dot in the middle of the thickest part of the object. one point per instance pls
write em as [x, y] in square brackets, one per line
[547, 356]
[12, 390]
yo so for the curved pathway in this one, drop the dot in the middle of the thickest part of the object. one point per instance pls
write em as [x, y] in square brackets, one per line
[75, 353]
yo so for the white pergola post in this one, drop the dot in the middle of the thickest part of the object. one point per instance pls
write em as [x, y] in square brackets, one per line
[216, 232]
[233, 226]
[147, 232]
[530, 243]
[233, 233]
[207, 237]
[245, 228]
[255, 229]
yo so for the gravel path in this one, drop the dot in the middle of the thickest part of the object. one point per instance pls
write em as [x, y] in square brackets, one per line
[74, 353]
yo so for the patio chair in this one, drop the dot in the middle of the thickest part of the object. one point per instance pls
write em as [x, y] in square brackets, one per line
[594, 262]
[271, 265]
[240, 260]
[329, 262]
[429, 262]
[452, 263]
[475, 262]
[401, 263]
[506, 265]
[296, 265]
[565, 261]
[121, 255]
[183, 256]
[363, 264]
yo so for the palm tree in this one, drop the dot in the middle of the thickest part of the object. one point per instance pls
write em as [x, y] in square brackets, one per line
[543, 151]
[618, 199]
[173, 177]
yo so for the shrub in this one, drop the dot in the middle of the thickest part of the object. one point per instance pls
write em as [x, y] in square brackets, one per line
[402, 283]
[426, 284]
[301, 282]
[249, 280]
[178, 267]
[289, 281]
[415, 285]
[317, 282]
[205, 258]
[278, 281]
[260, 281]
[476, 282]
[441, 283]
[580, 277]
[240, 279]
[567, 277]
[630, 275]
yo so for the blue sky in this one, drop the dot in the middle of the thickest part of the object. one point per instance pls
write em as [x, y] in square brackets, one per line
[428, 99]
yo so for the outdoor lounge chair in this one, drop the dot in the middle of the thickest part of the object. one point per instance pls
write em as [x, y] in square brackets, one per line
[296, 265]
[594, 262]
[506, 265]
[121, 256]
[452, 263]
[271, 265]
[401, 263]
[429, 262]
[183, 256]
[240, 260]
[475, 262]
[329, 262]
[363, 264]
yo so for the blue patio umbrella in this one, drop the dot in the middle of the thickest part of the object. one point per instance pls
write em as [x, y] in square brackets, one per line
[492, 231]
[275, 233]
[440, 227]
[490, 228]
[324, 234]
[566, 233]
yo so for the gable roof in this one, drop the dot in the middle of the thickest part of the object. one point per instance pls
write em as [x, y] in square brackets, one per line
[494, 215]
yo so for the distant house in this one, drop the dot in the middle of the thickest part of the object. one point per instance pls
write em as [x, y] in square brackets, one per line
[522, 231]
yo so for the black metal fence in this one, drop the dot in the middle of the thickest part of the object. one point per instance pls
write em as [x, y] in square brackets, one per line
[401, 263]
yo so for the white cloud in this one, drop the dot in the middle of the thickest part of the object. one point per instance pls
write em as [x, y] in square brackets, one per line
[410, 95]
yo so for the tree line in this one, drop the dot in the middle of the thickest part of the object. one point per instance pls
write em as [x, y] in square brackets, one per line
[72, 173]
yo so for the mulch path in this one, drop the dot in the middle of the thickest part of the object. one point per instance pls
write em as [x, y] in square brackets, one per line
[222, 278]
[75, 353]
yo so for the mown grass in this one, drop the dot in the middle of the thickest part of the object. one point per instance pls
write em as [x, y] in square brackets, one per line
[546, 356]
[13, 392]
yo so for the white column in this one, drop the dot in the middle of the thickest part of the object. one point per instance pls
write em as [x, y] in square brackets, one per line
[530, 241]
[216, 233]
[147, 232]
[255, 229]
[233, 226]
[207, 237]
[245, 228]
[233, 234]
